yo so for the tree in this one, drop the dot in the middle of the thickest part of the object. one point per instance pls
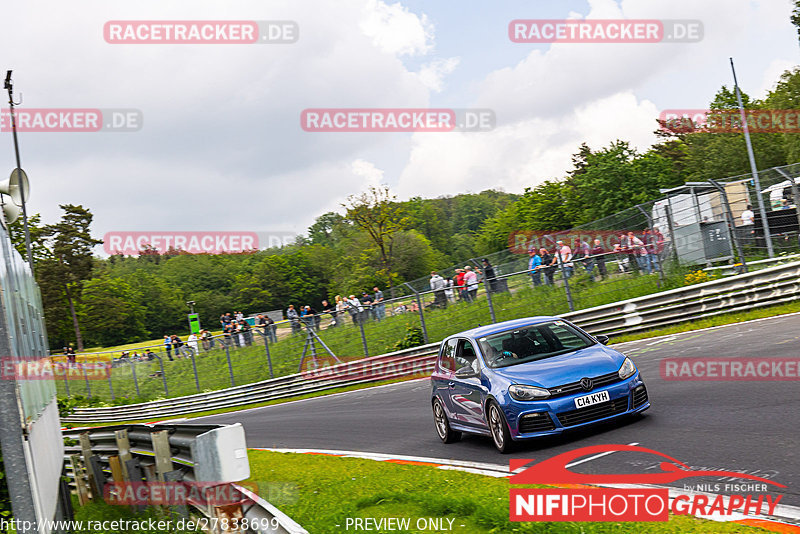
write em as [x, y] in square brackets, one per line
[71, 246]
[795, 18]
[377, 213]
[38, 233]
[110, 313]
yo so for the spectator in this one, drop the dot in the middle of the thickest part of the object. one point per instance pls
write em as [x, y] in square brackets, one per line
[534, 263]
[176, 345]
[246, 332]
[651, 251]
[585, 251]
[380, 306]
[340, 309]
[330, 311]
[448, 291]
[354, 308]
[471, 281]
[599, 258]
[207, 339]
[366, 301]
[638, 252]
[460, 285]
[191, 341]
[227, 334]
[489, 275]
[547, 267]
[225, 319]
[168, 347]
[563, 258]
[239, 317]
[235, 331]
[748, 217]
[437, 286]
[294, 318]
[150, 355]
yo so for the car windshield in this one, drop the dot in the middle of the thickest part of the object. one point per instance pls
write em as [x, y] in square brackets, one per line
[532, 343]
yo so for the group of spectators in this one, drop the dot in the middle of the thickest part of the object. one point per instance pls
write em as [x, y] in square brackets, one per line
[632, 253]
[462, 286]
[173, 343]
[370, 307]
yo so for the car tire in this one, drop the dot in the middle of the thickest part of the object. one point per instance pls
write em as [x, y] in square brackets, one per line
[501, 435]
[446, 434]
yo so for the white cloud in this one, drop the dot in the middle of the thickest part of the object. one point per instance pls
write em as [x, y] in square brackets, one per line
[432, 74]
[396, 30]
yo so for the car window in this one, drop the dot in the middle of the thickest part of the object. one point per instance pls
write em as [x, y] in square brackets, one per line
[466, 355]
[447, 361]
[532, 343]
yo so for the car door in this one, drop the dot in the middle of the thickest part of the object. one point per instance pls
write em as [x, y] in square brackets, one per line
[442, 377]
[467, 394]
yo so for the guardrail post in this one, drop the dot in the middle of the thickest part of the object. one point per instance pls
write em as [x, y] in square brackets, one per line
[80, 483]
[86, 450]
[86, 379]
[421, 312]
[162, 453]
[194, 369]
[135, 381]
[124, 451]
[230, 366]
[488, 298]
[266, 349]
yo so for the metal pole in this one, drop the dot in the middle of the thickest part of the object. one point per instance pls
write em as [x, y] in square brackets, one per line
[110, 386]
[9, 87]
[135, 381]
[266, 349]
[363, 335]
[194, 368]
[566, 281]
[230, 366]
[164, 375]
[421, 312]
[488, 293]
[753, 168]
[652, 244]
[671, 224]
[729, 216]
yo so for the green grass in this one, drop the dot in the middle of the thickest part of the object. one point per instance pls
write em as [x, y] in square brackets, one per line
[321, 492]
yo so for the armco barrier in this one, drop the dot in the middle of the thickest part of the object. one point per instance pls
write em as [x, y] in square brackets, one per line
[212, 455]
[766, 287]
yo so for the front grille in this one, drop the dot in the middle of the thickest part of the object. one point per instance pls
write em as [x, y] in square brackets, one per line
[593, 413]
[536, 422]
[639, 396]
[575, 387]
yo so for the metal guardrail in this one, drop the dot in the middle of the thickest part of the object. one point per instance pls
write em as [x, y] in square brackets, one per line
[765, 287]
[159, 454]
[401, 364]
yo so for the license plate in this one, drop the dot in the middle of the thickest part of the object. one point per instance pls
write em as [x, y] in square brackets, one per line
[594, 398]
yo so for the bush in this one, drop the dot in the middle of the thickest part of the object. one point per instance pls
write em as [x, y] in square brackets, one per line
[413, 338]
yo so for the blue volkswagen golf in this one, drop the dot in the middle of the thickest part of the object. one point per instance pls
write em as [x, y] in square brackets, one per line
[529, 378]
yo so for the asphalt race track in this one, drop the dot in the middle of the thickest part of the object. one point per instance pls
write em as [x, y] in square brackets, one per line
[744, 426]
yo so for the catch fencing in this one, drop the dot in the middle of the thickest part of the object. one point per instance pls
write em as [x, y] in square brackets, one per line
[761, 288]
[209, 463]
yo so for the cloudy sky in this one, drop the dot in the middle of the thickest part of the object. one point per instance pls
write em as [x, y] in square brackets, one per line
[222, 148]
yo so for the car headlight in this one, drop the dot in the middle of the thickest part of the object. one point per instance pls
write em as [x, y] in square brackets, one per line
[627, 370]
[527, 393]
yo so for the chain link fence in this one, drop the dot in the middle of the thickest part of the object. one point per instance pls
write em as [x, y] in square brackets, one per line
[696, 232]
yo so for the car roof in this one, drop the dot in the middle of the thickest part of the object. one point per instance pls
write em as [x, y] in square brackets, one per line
[502, 327]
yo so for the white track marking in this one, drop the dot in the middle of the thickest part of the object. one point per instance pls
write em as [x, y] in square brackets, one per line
[595, 457]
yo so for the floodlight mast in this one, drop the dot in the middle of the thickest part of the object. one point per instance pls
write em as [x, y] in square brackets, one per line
[9, 86]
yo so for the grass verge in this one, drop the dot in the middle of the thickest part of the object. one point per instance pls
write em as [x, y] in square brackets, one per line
[475, 503]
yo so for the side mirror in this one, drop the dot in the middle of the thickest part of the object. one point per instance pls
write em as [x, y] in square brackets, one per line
[602, 339]
[466, 372]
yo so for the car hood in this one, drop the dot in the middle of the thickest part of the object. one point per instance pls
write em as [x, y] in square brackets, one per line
[565, 368]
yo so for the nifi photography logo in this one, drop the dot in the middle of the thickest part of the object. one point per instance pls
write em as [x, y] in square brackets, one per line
[638, 503]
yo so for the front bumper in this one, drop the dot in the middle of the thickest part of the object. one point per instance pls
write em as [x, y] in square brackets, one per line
[554, 416]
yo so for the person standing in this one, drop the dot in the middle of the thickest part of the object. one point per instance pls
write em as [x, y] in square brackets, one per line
[448, 289]
[471, 281]
[563, 257]
[437, 286]
[380, 306]
[639, 252]
[294, 318]
[547, 267]
[168, 347]
[355, 309]
[340, 309]
[598, 253]
[534, 263]
[205, 338]
[191, 341]
[489, 275]
[460, 287]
